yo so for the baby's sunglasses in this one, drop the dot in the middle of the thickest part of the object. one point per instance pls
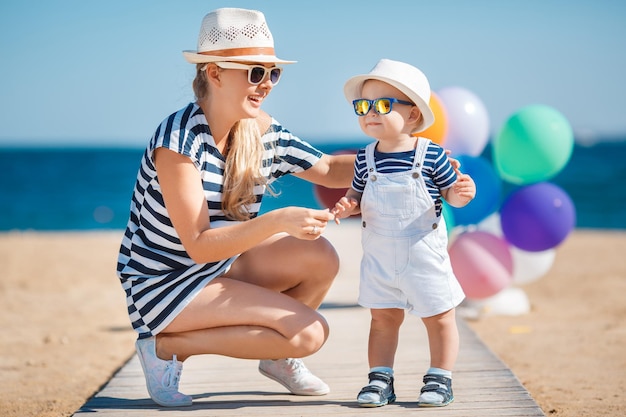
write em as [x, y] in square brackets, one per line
[381, 105]
[256, 73]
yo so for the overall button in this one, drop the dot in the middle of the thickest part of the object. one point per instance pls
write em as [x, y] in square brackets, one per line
[364, 224]
[434, 226]
[373, 177]
[416, 175]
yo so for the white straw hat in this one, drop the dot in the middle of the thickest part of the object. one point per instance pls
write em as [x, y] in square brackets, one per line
[406, 78]
[231, 34]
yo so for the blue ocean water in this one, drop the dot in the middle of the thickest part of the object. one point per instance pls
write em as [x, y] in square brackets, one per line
[52, 189]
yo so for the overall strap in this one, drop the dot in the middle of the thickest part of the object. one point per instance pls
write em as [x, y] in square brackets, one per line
[420, 152]
[369, 157]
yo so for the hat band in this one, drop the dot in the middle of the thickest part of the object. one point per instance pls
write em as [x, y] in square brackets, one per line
[234, 52]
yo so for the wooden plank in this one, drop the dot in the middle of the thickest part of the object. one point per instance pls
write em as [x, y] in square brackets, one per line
[223, 386]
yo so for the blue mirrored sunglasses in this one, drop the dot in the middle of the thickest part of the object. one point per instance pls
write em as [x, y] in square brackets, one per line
[381, 105]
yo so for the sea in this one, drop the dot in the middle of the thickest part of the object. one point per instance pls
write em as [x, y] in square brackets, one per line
[89, 188]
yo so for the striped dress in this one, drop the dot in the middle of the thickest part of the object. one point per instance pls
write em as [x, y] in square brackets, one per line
[437, 171]
[157, 275]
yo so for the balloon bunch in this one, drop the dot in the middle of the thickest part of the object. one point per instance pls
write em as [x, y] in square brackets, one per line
[497, 240]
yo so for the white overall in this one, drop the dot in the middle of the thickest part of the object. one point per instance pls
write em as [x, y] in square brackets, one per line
[405, 259]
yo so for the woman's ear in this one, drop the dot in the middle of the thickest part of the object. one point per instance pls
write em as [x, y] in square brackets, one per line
[213, 74]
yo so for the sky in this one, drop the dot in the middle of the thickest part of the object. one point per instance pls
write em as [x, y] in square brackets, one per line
[85, 72]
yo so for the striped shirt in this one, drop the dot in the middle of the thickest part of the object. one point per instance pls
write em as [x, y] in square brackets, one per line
[437, 171]
[156, 272]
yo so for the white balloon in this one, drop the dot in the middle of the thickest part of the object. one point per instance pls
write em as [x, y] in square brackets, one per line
[530, 266]
[510, 301]
[468, 121]
[491, 224]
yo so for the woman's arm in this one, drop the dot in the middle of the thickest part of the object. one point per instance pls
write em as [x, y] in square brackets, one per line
[184, 199]
[332, 171]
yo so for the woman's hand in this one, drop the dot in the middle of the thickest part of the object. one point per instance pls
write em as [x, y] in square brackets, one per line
[303, 223]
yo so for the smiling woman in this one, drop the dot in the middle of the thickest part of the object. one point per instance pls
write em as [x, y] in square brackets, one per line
[195, 234]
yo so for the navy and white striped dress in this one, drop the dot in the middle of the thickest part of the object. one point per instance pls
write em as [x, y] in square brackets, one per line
[156, 272]
[437, 171]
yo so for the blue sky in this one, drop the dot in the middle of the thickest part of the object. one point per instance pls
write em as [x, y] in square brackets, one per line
[107, 72]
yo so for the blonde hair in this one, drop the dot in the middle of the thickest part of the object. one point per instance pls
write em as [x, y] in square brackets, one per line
[244, 159]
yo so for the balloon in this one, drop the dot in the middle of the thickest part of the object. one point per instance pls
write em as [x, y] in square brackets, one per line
[491, 224]
[508, 302]
[530, 266]
[439, 129]
[482, 263]
[488, 190]
[446, 212]
[327, 197]
[537, 217]
[534, 144]
[468, 121]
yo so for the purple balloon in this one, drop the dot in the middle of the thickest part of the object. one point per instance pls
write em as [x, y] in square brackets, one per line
[537, 217]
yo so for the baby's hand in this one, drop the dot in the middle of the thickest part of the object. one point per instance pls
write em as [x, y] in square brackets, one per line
[456, 164]
[344, 208]
[465, 188]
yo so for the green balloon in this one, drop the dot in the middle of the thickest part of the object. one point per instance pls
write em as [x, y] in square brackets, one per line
[448, 216]
[534, 145]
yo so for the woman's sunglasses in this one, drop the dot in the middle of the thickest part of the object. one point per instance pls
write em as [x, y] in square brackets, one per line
[381, 105]
[256, 73]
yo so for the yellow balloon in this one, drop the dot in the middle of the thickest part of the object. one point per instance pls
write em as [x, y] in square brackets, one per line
[438, 131]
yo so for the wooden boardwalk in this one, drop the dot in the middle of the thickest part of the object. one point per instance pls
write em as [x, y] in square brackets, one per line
[221, 386]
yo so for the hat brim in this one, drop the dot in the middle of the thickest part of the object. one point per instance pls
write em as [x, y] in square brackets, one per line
[352, 91]
[195, 58]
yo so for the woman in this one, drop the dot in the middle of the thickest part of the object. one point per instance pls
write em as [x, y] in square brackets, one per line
[202, 271]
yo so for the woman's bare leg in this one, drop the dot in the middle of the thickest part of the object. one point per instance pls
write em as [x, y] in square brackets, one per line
[263, 308]
[302, 269]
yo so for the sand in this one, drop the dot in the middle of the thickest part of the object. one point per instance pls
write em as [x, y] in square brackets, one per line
[66, 331]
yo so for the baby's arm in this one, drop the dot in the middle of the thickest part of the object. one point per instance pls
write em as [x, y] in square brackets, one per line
[347, 205]
[462, 192]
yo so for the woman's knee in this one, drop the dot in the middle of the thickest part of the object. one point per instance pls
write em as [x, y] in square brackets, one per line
[311, 338]
[322, 259]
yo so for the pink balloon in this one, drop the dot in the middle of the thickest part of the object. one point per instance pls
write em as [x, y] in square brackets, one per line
[482, 263]
[468, 121]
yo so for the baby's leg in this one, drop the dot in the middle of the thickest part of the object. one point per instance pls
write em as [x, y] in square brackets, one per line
[383, 342]
[443, 340]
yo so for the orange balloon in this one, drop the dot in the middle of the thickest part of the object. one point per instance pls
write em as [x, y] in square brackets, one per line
[438, 131]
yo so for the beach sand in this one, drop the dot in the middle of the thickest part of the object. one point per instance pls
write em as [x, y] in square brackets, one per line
[66, 331]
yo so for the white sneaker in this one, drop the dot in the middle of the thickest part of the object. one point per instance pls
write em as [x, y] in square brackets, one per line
[162, 377]
[294, 376]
